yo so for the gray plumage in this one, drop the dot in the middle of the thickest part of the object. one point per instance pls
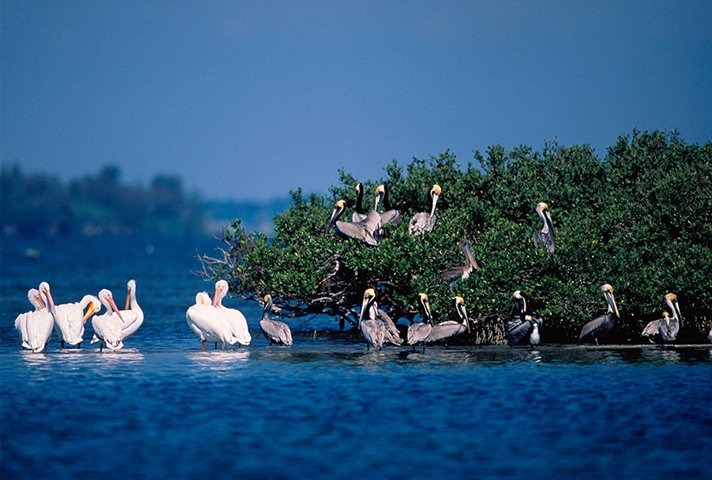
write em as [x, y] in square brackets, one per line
[463, 272]
[599, 328]
[418, 332]
[391, 335]
[423, 221]
[522, 327]
[546, 235]
[449, 329]
[367, 230]
[668, 327]
[373, 330]
[274, 330]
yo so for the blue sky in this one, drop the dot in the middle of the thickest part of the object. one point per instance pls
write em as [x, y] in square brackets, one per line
[250, 99]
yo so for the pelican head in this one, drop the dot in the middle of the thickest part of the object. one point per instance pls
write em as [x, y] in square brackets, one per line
[368, 298]
[339, 207]
[359, 188]
[462, 311]
[425, 302]
[380, 195]
[671, 300]
[130, 291]
[202, 298]
[221, 289]
[107, 299]
[519, 297]
[607, 290]
[45, 293]
[33, 295]
[93, 306]
[436, 190]
[541, 207]
[267, 299]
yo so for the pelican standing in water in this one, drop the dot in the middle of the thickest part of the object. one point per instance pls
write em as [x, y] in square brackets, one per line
[69, 318]
[207, 322]
[546, 235]
[418, 332]
[131, 306]
[35, 327]
[523, 327]
[449, 328]
[423, 221]
[373, 330]
[392, 335]
[463, 272]
[235, 319]
[667, 328]
[274, 330]
[108, 327]
[599, 328]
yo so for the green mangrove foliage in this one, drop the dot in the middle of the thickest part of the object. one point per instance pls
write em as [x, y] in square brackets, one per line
[640, 219]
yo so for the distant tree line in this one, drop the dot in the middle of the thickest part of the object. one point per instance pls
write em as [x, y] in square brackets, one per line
[39, 203]
[639, 218]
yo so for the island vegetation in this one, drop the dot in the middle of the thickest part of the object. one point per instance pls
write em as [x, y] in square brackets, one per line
[640, 219]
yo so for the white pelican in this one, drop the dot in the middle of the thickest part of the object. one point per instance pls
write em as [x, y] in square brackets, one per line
[546, 235]
[35, 327]
[132, 306]
[598, 328]
[235, 319]
[423, 221]
[274, 330]
[449, 328]
[207, 322]
[107, 327]
[373, 330]
[667, 328]
[418, 332]
[69, 319]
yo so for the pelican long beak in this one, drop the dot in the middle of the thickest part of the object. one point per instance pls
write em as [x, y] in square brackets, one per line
[435, 202]
[215, 297]
[426, 307]
[115, 308]
[40, 301]
[612, 304]
[128, 300]
[365, 304]
[91, 310]
[332, 219]
[50, 300]
[549, 222]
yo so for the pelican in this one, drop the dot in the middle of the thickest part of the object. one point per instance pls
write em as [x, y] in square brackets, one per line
[523, 327]
[449, 328]
[418, 332]
[132, 306]
[368, 230]
[35, 327]
[464, 271]
[389, 215]
[666, 327]
[107, 327]
[598, 328]
[423, 221]
[373, 330]
[207, 322]
[235, 319]
[392, 335]
[274, 330]
[709, 335]
[359, 215]
[68, 318]
[546, 235]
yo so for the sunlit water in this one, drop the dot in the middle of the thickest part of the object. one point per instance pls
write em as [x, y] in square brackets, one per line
[161, 408]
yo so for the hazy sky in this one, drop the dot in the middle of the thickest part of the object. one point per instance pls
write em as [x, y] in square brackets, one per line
[250, 99]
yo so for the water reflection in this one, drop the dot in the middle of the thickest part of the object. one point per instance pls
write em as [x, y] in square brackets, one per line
[221, 360]
[35, 359]
[124, 356]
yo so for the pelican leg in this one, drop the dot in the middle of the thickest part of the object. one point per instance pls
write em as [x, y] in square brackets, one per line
[216, 346]
[423, 347]
[62, 343]
[202, 346]
[223, 346]
[101, 347]
[79, 345]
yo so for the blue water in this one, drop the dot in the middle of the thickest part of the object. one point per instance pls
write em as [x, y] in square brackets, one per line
[161, 408]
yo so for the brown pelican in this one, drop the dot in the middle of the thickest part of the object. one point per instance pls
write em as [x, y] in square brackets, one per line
[448, 329]
[360, 214]
[368, 230]
[464, 271]
[373, 330]
[523, 327]
[274, 330]
[418, 332]
[546, 235]
[392, 335]
[598, 328]
[389, 215]
[423, 221]
[666, 327]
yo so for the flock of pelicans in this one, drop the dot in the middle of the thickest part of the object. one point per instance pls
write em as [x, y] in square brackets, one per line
[212, 322]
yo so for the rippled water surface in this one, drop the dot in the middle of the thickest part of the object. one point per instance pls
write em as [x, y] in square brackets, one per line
[161, 408]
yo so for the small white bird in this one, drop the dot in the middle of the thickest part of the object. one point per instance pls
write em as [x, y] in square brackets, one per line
[35, 327]
[108, 327]
[236, 321]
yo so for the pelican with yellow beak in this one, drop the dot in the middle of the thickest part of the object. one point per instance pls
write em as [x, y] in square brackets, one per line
[546, 235]
[668, 326]
[368, 230]
[373, 330]
[274, 330]
[423, 221]
[599, 328]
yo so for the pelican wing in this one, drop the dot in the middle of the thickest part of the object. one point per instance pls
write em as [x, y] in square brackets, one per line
[358, 231]
[450, 274]
[107, 328]
[392, 333]
[652, 328]
[444, 330]
[70, 320]
[420, 223]
[597, 328]
[238, 325]
[519, 334]
[374, 332]
[21, 326]
[210, 322]
[390, 216]
[276, 331]
[418, 332]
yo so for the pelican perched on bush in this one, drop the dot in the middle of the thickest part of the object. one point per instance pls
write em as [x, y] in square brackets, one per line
[666, 327]
[359, 213]
[523, 327]
[464, 271]
[423, 221]
[449, 328]
[274, 330]
[35, 326]
[546, 235]
[373, 330]
[418, 332]
[368, 230]
[388, 215]
[599, 328]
